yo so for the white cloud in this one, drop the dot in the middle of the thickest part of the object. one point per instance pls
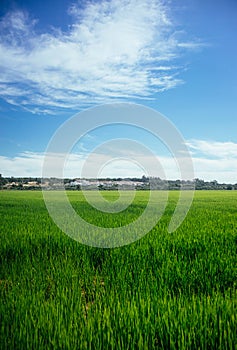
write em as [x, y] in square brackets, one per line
[223, 168]
[214, 160]
[114, 50]
[213, 149]
[24, 164]
[31, 164]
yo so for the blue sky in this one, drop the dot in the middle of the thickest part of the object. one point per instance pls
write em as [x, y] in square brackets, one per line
[60, 57]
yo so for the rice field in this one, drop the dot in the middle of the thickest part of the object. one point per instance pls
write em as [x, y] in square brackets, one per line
[166, 291]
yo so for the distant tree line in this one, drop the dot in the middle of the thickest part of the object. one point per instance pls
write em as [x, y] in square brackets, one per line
[143, 183]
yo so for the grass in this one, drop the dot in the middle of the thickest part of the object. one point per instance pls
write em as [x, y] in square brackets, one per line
[166, 291]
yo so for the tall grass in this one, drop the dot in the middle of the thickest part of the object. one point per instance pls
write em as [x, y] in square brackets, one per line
[165, 291]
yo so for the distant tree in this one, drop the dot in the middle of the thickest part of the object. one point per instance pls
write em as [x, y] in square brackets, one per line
[3, 181]
[145, 179]
[19, 186]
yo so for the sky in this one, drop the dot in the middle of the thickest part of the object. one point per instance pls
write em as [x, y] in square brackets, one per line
[58, 58]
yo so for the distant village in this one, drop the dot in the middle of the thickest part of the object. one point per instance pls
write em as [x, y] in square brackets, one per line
[143, 183]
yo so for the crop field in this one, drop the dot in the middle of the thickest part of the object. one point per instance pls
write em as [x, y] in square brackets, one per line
[165, 291]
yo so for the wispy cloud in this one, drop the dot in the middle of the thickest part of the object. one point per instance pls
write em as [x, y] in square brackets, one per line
[213, 149]
[114, 50]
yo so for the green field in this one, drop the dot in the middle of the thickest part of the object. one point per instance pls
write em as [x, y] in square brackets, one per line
[166, 291]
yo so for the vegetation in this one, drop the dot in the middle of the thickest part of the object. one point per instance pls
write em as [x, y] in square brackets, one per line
[165, 291]
[144, 183]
